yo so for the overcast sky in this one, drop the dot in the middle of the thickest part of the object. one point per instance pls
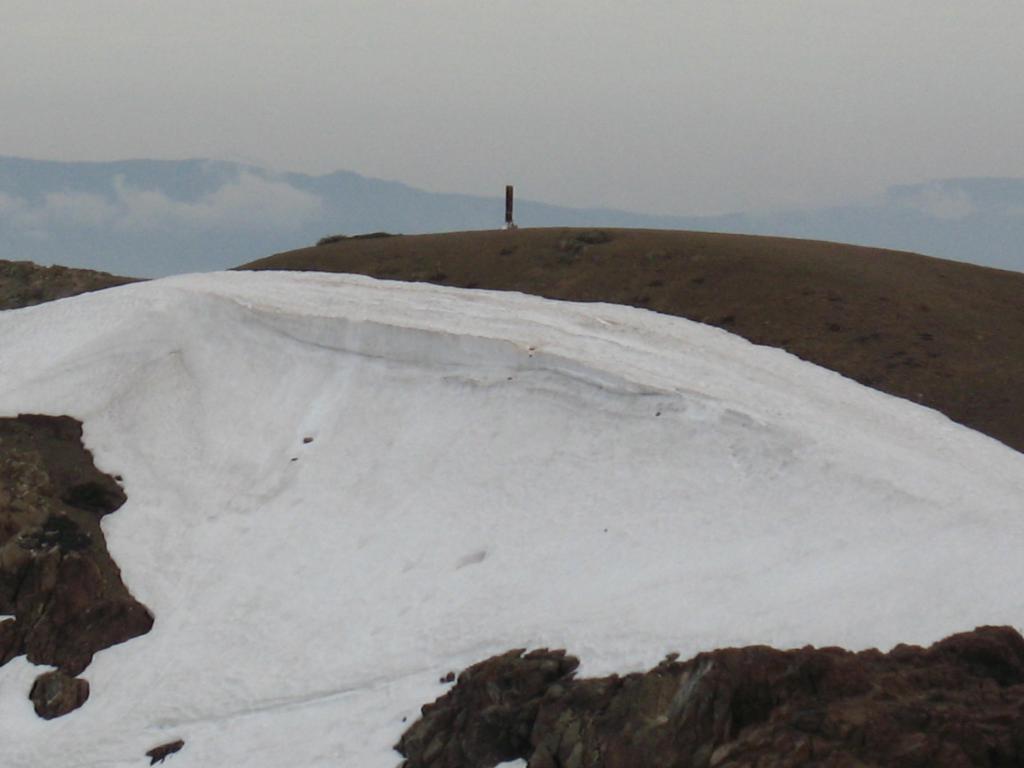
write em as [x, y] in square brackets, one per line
[699, 106]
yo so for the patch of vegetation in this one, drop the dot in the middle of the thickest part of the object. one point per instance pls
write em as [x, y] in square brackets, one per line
[367, 236]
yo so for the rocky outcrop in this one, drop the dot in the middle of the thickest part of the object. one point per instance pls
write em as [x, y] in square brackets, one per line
[56, 577]
[958, 703]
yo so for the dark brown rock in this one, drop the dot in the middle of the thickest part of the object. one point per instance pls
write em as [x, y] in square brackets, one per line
[56, 576]
[81, 618]
[54, 694]
[487, 718]
[958, 703]
[10, 641]
[159, 754]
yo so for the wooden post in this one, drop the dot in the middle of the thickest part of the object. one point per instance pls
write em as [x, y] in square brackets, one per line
[509, 223]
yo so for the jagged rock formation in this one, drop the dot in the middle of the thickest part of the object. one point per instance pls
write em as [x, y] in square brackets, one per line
[56, 576]
[958, 703]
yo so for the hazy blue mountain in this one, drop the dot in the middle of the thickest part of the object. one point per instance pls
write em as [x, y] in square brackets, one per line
[155, 217]
[978, 220]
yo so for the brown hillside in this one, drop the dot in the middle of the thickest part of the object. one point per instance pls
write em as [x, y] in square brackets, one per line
[23, 283]
[945, 334]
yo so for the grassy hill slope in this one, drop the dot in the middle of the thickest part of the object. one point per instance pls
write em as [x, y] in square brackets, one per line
[23, 283]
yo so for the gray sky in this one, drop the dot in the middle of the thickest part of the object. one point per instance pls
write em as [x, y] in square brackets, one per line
[699, 106]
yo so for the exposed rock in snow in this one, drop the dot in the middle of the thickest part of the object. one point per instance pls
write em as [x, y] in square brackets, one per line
[489, 716]
[958, 703]
[162, 752]
[56, 576]
[55, 694]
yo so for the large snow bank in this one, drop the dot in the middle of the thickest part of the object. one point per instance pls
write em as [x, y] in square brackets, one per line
[486, 471]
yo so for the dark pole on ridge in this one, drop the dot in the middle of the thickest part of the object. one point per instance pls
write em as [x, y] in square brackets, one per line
[509, 223]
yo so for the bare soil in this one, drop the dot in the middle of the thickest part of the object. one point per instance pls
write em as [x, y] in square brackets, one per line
[944, 334]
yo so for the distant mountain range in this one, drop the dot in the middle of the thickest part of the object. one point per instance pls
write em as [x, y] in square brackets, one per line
[148, 218]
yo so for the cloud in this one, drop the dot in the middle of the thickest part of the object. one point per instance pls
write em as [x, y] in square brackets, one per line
[248, 202]
[70, 208]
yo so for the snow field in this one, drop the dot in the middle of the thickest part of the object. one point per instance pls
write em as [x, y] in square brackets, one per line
[486, 471]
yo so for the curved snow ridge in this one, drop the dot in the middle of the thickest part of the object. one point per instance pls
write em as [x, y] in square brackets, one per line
[620, 348]
[476, 359]
[635, 347]
[623, 350]
[437, 328]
